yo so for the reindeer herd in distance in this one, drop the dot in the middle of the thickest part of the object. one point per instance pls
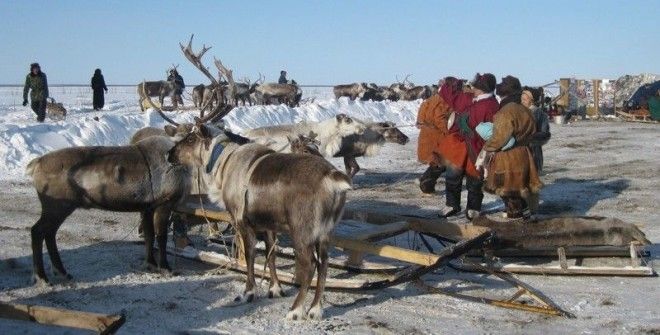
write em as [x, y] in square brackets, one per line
[220, 92]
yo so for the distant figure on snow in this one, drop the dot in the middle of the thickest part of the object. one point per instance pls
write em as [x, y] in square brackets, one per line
[37, 83]
[180, 86]
[282, 79]
[99, 88]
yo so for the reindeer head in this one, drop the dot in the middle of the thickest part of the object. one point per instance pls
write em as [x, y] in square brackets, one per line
[391, 133]
[191, 149]
[348, 126]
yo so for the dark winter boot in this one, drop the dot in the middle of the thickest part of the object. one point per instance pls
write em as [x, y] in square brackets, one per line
[516, 207]
[429, 179]
[453, 187]
[474, 198]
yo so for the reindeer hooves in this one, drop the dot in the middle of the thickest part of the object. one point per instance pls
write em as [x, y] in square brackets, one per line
[244, 298]
[276, 292]
[295, 314]
[40, 282]
[151, 267]
[315, 313]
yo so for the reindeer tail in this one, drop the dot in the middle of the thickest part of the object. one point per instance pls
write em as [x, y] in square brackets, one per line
[338, 181]
[29, 170]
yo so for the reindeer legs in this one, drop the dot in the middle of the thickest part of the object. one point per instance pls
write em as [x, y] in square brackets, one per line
[275, 289]
[249, 240]
[304, 276]
[51, 245]
[52, 217]
[148, 230]
[316, 311]
[160, 222]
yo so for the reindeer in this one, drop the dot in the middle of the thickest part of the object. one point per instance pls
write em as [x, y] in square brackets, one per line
[132, 178]
[352, 91]
[406, 90]
[198, 95]
[337, 138]
[283, 93]
[269, 192]
[329, 133]
[160, 89]
[368, 144]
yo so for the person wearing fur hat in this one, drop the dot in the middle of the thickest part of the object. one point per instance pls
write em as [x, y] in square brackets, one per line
[512, 174]
[37, 85]
[482, 107]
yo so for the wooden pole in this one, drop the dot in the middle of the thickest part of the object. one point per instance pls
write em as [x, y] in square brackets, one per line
[102, 323]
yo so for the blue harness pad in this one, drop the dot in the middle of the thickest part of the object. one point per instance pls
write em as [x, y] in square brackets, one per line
[215, 154]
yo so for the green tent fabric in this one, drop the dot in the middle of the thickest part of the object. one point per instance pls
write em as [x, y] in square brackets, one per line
[654, 107]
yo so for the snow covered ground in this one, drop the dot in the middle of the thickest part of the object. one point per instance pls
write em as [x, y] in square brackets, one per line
[592, 168]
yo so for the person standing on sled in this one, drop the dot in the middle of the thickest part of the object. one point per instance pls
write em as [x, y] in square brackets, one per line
[99, 89]
[512, 174]
[432, 120]
[37, 85]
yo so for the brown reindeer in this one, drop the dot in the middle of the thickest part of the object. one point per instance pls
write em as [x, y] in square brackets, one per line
[132, 178]
[368, 143]
[270, 192]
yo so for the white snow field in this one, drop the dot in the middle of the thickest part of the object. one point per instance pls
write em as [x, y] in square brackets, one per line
[592, 168]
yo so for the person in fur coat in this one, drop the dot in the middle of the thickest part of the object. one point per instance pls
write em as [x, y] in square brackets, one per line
[432, 121]
[464, 146]
[512, 174]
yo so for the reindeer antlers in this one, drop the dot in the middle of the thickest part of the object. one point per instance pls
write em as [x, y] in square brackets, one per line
[196, 59]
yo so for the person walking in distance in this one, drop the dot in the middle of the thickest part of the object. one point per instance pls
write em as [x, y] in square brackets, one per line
[99, 88]
[37, 85]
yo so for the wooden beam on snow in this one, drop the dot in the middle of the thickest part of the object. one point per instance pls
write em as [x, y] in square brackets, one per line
[101, 323]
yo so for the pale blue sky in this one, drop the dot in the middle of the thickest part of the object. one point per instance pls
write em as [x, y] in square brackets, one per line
[330, 42]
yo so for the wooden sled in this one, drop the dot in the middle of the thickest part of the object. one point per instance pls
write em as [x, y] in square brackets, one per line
[629, 117]
[514, 259]
[101, 323]
[415, 264]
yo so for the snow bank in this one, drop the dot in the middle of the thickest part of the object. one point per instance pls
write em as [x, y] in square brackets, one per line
[22, 139]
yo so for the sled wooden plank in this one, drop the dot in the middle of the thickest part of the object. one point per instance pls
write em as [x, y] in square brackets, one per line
[386, 251]
[334, 262]
[285, 277]
[211, 214]
[380, 232]
[102, 323]
[574, 251]
[627, 271]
